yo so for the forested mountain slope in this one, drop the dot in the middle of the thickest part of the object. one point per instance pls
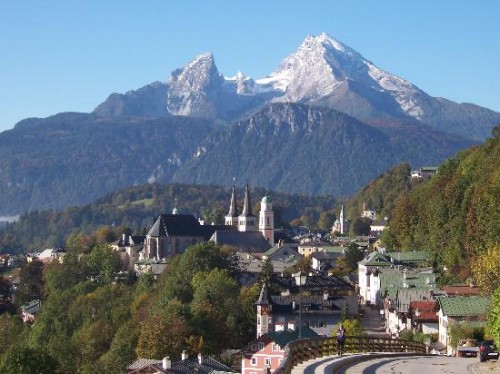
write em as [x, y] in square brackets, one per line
[456, 214]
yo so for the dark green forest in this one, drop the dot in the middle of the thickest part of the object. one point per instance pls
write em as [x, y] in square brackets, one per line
[134, 209]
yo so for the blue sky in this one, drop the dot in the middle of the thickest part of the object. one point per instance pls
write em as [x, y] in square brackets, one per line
[70, 55]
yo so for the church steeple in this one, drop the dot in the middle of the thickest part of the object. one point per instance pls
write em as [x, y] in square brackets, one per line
[246, 220]
[264, 312]
[231, 218]
[247, 208]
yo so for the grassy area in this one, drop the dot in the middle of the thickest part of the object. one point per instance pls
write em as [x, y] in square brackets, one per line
[146, 202]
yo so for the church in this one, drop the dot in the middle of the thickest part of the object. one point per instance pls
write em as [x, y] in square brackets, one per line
[172, 234]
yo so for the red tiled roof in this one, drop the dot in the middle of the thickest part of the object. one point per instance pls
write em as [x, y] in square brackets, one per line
[427, 310]
[462, 290]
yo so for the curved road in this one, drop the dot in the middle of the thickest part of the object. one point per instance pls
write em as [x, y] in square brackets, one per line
[421, 365]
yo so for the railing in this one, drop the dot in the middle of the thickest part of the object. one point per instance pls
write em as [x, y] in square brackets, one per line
[302, 350]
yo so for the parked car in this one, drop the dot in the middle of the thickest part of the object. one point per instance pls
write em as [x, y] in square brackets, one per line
[467, 348]
[488, 350]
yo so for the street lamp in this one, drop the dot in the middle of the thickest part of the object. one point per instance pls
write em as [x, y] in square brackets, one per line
[300, 280]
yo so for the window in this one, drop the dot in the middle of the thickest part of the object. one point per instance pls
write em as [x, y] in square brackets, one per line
[267, 361]
[254, 361]
[258, 320]
[267, 221]
[254, 347]
[321, 323]
[276, 347]
[261, 346]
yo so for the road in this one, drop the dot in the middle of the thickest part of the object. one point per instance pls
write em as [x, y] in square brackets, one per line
[422, 365]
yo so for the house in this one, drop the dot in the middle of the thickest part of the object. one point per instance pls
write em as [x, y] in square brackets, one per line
[267, 352]
[150, 266]
[424, 172]
[368, 268]
[187, 365]
[457, 309]
[424, 318]
[30, 310]
[323, 261]
[128, 247]
[376, 227]
[318, 304]
[52, 254]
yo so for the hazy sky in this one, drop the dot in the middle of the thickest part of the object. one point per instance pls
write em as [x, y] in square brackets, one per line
[70, 55]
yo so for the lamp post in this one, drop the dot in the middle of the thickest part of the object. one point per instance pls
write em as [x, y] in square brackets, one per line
[300, 280]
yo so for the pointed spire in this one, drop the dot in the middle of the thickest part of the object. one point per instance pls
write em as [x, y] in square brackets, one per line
[233, 210]
[247, 208]
[264, 298]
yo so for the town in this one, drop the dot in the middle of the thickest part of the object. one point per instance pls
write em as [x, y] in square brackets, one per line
[305, 285]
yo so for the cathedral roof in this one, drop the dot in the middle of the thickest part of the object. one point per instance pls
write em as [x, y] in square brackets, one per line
[247, 207]
[175, 225]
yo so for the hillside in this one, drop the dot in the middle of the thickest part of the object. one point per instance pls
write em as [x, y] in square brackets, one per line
[137, 207]
[75, 158]
[306, 149]
[456, 214]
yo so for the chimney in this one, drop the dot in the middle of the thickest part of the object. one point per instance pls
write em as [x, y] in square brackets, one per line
[184, 356]
[166, 363]
[200, 358]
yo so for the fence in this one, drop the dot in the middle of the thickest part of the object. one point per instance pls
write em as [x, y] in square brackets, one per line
[302, 350]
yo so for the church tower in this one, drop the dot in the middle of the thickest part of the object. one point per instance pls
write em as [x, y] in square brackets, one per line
[264, 312]
[266, 219]
[342, 221]
[246, 220]
[231, 218]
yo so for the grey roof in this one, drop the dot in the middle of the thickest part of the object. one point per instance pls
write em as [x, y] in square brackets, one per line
[326, 255]
[264, 298]
[315, 283]
[141, 363]
[175, 225]
[249, 241]
[191, 365]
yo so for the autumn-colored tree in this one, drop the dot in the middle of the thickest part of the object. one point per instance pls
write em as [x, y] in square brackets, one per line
[494, 316]
[162, 334]
[486, 268]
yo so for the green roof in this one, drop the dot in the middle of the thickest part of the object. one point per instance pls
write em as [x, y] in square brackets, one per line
[409, 256]
[463, 306]
[334, 249]
[282, 338]
[392, 280]
[376, 258]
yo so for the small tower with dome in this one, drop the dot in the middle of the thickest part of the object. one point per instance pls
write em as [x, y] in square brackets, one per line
[266, 219]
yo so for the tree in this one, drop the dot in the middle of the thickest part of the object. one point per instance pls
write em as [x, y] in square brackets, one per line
[21, 360]
[163, 334]
[326, 220]
[494, 316]
[31, 282]
[486, 268]
[10, 330]
[267, 272]
[353, 255]
[361, 226]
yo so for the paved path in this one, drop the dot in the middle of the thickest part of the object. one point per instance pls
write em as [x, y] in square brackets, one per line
[398, 365]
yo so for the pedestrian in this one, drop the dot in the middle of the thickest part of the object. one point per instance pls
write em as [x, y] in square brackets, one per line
[340, 340]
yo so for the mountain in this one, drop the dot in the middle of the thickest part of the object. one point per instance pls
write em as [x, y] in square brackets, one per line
[326, 121]
[301, 148]
[74, 158]
[322, 72]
